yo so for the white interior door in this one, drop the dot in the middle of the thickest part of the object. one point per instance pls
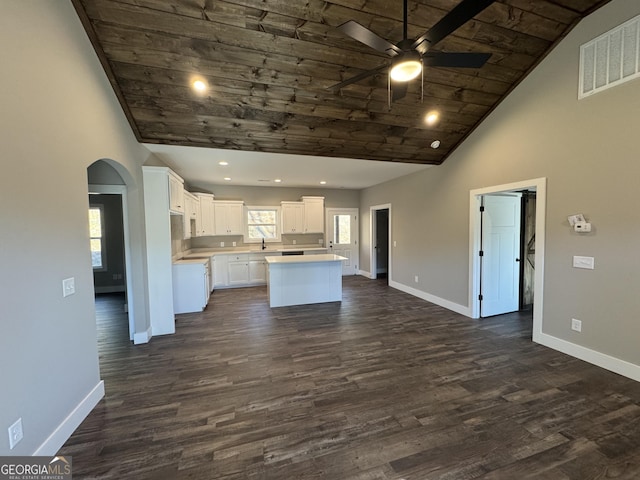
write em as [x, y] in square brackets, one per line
[342, 237]
[500, 251]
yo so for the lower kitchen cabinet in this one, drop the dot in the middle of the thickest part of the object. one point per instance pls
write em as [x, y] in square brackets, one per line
[238, 269]
[220, 273]
[190, 285]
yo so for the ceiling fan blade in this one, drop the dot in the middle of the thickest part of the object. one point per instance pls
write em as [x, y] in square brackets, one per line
[357, 78]
[366, 36]
[461, 14]
[398, 90]
[460, 60]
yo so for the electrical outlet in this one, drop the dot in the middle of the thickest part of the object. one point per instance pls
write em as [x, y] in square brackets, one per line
[416, 279]
[294, 242]
[576, 325]
[15, 433]
[395, 244]
[222, 244]
[68, 286]
[319, 241]
[234, 244]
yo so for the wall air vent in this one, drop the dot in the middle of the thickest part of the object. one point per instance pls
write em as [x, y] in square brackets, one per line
[611, 59]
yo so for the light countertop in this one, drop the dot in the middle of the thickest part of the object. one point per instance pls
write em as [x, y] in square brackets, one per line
[191, 261]
[319, 258]
[291, 248]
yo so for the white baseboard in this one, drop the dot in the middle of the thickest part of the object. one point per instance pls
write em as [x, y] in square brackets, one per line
[461, 309]
[142, 337]
[365, 274]
[62, 433]
[602, 360]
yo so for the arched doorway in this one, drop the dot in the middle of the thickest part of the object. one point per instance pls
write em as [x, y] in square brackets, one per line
[110, 239]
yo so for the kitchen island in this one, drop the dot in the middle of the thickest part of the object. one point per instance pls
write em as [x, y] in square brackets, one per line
[304, 279]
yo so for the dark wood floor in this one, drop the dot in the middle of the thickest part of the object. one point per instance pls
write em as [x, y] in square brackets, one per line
[381, 386]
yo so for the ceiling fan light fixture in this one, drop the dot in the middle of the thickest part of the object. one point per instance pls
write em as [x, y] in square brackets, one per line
[407, 67]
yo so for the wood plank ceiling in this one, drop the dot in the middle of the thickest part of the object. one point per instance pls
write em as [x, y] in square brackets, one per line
[268, 64]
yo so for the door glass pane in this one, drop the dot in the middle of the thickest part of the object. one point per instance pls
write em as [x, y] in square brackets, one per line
[341, 229]
[96, 252]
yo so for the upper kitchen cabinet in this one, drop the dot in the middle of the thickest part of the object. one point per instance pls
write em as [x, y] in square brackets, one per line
[313, 214]
[191, 213]
[206, 226]
[176, 193]
[306, 216]
[292, 217]
[229, 217]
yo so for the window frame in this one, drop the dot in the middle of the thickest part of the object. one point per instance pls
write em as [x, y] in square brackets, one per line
[278, 224]
[102, 238]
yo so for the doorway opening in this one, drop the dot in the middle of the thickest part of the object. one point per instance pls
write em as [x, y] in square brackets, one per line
[111, 244]
[380, 242]
[515, 233]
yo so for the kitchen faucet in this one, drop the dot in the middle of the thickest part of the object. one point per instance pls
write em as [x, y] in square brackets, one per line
[263, 245]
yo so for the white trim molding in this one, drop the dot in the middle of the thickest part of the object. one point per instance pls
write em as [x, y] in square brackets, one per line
[602, 360]
[449, 305]
[372, 250]
[540, 186]
[62, 433]
[142, 337]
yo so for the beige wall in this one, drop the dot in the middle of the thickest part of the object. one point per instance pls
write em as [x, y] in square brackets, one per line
[588, 152]
[58, 116]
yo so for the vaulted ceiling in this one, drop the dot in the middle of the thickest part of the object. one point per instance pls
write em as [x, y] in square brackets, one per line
[269, 64]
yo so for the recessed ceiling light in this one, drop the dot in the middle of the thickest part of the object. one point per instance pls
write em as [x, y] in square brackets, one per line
[199, 85]
[223, 163]
[435, 144]
[432, 118]
[323, 182]
[277, 180]
[228, 179]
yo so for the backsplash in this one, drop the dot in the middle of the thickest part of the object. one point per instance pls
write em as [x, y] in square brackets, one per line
[179, 245]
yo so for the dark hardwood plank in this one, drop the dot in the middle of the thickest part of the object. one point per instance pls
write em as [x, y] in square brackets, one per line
[379, 386]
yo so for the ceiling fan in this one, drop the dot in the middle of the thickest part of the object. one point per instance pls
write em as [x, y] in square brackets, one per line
[411, 55]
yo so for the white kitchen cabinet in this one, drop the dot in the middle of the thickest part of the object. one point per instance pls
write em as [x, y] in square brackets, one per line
[191, 211]
[292, 217]
[257, 269]
[238, 269]
[220, 272]
[190, 285]
[206, 226]
[176, 193]
[157, 231]
[229, 217]
[313, 214]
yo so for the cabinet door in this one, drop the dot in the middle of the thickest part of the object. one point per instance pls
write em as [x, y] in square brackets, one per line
[292, 217]
[176, 194]
[258, 271]
[220, 217]
[235, 218]
[207, 226]
[314, 216]
[220, 275]
[238, 272]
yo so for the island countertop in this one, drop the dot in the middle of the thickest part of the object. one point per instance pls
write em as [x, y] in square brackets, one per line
[326, 257]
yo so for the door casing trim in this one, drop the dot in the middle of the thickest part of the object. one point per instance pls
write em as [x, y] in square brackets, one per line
[540, 186]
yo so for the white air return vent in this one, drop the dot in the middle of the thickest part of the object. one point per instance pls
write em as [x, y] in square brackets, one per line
[610, 59]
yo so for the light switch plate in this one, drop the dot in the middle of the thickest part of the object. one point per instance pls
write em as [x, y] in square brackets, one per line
[68, 286]
[584, 262]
